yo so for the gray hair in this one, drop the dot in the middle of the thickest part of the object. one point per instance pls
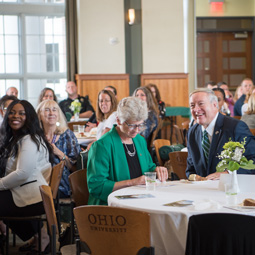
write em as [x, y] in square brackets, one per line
[211, 95]
[132, 108]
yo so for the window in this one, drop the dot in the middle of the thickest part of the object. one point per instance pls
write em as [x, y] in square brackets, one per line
[32, 47]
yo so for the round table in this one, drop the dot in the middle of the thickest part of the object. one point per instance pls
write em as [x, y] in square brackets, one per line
[169, 224]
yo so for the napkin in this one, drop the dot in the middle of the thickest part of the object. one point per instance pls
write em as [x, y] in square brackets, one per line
[206, 204]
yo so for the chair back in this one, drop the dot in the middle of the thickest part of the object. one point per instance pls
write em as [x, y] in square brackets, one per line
[158, 144]
[221, 234]
[49, 207]
[155, 133]
[252, 131]
[56, 176]
[72, 123]
[179, 136]
[178, 161]
[112, 230]
[79, 187]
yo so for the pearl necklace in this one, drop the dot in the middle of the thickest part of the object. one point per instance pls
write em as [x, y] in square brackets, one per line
[131, 154]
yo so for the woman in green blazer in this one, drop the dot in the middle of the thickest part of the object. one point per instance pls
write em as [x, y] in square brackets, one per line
[120, 158]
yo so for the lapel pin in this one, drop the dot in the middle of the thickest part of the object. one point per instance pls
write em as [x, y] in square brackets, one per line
[217, 132]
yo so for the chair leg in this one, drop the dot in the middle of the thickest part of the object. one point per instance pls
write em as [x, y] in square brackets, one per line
[58, 213]
[72, 223]
[53, 240]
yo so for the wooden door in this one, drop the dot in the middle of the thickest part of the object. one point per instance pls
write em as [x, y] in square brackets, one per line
[223, 57]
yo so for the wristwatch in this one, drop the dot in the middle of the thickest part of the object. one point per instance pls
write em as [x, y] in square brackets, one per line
[64, 157]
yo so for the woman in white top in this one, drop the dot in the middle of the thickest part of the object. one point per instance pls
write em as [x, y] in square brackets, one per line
[106, 112]
[24, 166]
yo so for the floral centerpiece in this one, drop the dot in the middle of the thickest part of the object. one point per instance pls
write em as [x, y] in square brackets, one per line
[76, 108]
[232, 158]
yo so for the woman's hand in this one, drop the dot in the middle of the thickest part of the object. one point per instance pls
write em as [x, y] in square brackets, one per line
[162, 173]
[89, 126]
[57, 151]
[139, 180]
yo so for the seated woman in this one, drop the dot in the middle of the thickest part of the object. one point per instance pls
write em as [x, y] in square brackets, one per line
[47, 93]
[152, 121]
[120, 158]
[249, 115]
[106, 112]
[64, 143]
[25, 165]
[161, 105]
[220, 94]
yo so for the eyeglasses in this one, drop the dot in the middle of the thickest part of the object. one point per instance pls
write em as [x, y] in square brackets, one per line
[133, 127]
[104, 101]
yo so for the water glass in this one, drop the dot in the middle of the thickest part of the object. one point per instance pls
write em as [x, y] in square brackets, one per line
[76, 128]
[231, 197]
[81, 128]
[150, 180]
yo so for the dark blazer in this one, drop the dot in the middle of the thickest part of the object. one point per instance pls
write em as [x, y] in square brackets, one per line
[225, 128]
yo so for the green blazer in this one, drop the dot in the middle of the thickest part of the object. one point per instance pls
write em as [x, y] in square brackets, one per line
[107, 164]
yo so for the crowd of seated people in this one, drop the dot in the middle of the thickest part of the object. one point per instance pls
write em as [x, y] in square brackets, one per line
[123, 133]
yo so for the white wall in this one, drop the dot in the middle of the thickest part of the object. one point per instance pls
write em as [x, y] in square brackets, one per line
[98, 21]
[163, 36]
[230, 8]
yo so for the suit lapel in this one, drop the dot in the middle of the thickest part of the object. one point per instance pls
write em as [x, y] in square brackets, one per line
[217, 134]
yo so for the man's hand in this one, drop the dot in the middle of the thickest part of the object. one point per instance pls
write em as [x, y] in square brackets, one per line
[215, 176]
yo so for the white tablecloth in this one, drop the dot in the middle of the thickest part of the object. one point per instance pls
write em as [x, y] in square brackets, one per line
[169, 225]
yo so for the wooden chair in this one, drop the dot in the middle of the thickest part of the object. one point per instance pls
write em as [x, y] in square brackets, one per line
[179, 136]
[158, 144]
[79, 194]
[72, 123]
[79, 188]
[49, 208]
[56, 175]
[252, 131]
[112, 230]
[155, 133]
[178, 160]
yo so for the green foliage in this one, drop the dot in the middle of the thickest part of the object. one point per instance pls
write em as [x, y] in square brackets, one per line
[232, 157]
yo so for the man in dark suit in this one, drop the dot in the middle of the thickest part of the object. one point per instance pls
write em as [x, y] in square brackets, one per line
[219, 128]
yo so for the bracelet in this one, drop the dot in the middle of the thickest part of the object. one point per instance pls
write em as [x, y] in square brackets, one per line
[64, 157]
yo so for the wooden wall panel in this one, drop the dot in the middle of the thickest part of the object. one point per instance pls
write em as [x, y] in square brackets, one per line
[91, 84]
[173, 87]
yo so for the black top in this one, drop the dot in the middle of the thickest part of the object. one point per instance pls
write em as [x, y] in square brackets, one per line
[162, 109]
[85, 105]
[133, 162]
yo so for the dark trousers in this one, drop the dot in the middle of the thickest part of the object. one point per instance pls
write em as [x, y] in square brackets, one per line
[24, 229]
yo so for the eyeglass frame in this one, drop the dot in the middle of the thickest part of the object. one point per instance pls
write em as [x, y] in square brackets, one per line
[133, 127]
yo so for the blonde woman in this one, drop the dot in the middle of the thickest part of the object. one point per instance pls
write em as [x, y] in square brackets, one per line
[64, 143]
